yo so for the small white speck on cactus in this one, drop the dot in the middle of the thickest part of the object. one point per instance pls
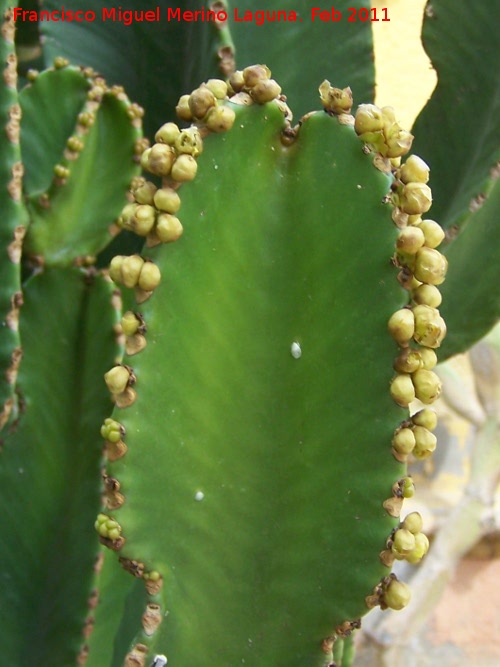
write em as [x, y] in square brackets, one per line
[296, 350]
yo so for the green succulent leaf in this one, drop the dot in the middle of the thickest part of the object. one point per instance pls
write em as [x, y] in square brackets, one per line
[259, 444]
[50, 483]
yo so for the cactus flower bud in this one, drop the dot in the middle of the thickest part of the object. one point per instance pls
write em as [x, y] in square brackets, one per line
[408, 361]
[410, 239]
[335, 100]
[144, 193]
[429, 358]
[184, 168]
[200, 101]
[430, 266]
[189, 141]
[130, 270]
[182, 109]
[143, 220]
[426, 418]
[427, 295]
[118, 379]
[112, 430]
[433, 232]
[265, 91]
[218, 87]
[236, 81]
[413, 522]
[167, 199]
[425, 442]
[430, 328]
[420, 550]
[403, 441]
[403, 542]
[401, 326]
[414, 170]
[167, 134]
[254, 74]
[427, 386]
[220, 119]
[368, 118]
[396, 595]
[150, 277]
[168, 228]
[402, 389]
[115, 268]
[160, 159]
[130, 323]
[415, 198]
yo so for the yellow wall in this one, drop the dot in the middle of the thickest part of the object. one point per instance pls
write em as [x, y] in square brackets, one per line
[405, 78]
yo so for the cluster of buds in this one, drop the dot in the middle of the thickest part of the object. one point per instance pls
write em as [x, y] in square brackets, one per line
[113, 433]
[380, 131]
[253, 84]
[414, 436]
[109, 532]
[406, 542]
[133, 327]
[135, 272]
[337, 101]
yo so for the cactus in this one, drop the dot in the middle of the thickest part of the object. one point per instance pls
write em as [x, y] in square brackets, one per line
[281, 289]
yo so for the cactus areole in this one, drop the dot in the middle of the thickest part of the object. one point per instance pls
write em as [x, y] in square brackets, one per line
[261, 455]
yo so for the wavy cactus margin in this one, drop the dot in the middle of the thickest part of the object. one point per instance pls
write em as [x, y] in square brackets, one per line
[255, 396]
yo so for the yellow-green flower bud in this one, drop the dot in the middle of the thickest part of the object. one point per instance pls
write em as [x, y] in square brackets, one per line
[160, 159]
[189, 141]
[396, 595]
[150, 277]
[220, 119]
[410, 239]
[427, 295]
[145, 159]
[427, 386]
[408, 360]
[415, 198]
[115, 267]
[126, 216]
[131, 269]
[112, 430]
[145, 193]
[184, 168]
[403, 542]
[182, 109]
[75, 144]
[168, 228]
[335, 100]
[413, 522]
[414, 170]
[401, 326]
[425, 442]
[403, 441]
[398, 142]
[420, 550]
[402, 389]
[430, 266]
[167, 134]
[61, 171]
[167, 199]
[236, 81]
[433, 232]
[200, 101]
[430, 328]
[118, 379]
[407, 487]
[255, 73]
[130, 323]
[265, 91]
[368, 118]
[143, 219]
[218, 88]
[429, 358]
[426, 418]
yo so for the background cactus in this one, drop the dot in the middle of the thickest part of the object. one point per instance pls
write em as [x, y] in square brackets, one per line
[258, 419]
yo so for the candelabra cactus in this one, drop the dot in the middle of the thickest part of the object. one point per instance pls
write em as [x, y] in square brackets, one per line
[233, 484]
[261, 350]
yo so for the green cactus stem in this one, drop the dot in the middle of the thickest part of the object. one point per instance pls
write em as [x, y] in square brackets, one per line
[12, 227]
[80, 139]
[258, 466]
